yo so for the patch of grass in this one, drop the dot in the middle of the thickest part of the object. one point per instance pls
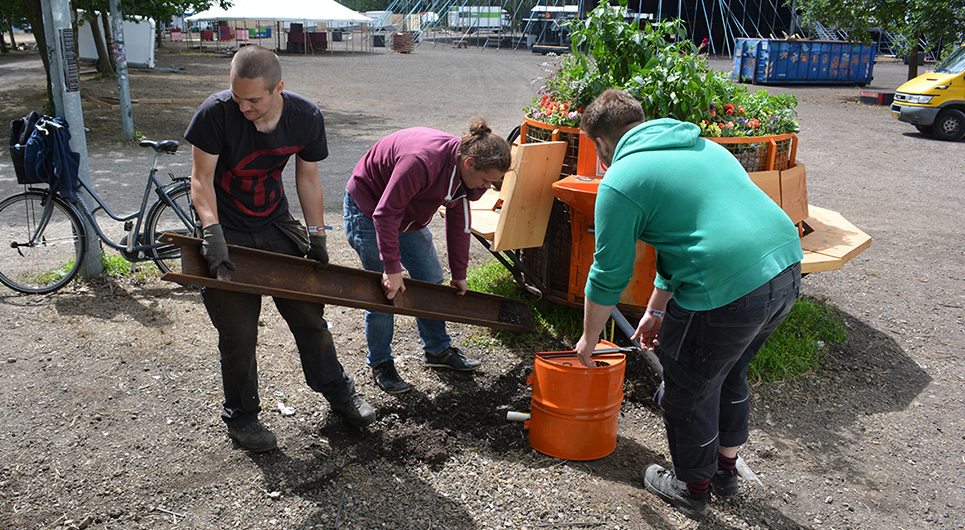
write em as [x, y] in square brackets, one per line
[796, 348]
[51, 276]
[556, 326]
[115, 266]
[800, 343]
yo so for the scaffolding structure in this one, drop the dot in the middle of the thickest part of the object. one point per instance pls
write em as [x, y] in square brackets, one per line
[718, 21]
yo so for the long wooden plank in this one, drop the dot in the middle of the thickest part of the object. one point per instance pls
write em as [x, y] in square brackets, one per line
[267, 273]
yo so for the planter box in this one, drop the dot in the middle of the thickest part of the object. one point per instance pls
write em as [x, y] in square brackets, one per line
[580, 156]
[762, 153]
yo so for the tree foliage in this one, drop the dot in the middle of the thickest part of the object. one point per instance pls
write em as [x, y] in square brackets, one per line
[939, 23]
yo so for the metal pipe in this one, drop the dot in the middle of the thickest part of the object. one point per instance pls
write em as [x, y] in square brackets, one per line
[628, 330]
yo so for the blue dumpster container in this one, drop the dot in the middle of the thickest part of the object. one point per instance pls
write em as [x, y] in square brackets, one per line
[768, 61]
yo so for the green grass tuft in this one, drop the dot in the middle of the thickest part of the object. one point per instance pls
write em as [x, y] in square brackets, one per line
[556, 326]
[796, 348]
[115, 266]
[800, 343]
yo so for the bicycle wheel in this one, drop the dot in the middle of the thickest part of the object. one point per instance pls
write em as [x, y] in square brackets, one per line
[162, 218]
[53, 258]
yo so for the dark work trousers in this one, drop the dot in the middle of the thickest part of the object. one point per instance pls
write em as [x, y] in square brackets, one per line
[705, 354]
[235, 316]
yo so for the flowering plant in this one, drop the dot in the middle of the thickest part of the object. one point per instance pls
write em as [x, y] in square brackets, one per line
[560, 99]
[661, 68]
[736, 112]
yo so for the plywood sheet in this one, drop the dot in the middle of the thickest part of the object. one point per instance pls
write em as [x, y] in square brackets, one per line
[527, 193]
[833, 239]
[794, 193]
[769, 182]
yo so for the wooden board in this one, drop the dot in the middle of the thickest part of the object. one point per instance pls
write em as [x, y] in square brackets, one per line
[769, 182]
[794, 193]
[527, 192]
[489, 201]
[832, 242]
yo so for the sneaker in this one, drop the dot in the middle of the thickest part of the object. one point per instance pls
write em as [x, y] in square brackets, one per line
[451, 359]
[665, 485]
[253, 437]
[723, 484]
[356, 411]
[389, 379]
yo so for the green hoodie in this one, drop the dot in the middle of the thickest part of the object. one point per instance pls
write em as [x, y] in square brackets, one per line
[717, 235]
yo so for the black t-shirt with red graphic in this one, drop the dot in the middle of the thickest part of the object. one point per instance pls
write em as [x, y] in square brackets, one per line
[247, 179]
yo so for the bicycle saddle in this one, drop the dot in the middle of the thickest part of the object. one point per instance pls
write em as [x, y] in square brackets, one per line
[167, 146]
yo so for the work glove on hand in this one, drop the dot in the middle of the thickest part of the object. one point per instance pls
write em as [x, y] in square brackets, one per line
[318, 251]
[214, 249]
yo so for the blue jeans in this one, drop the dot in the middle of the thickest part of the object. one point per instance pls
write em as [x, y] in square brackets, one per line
[419, 258]
[705, 354]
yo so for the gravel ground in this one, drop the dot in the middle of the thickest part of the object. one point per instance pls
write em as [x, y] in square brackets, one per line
[112, 391]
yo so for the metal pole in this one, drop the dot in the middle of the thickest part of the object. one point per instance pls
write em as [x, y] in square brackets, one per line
[123, 81]
[65, 84]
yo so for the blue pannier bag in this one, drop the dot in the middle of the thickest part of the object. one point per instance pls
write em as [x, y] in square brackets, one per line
[40, 148]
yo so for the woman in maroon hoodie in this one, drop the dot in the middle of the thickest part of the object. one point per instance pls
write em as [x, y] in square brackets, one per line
[394, 191]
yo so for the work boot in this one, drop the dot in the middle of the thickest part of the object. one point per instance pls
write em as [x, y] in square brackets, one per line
[389, 379]
[253, 437]
[665, 485]
[451, 359]
[724, 484]
[356, 411]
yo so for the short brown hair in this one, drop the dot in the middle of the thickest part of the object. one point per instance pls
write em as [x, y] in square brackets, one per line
[610, 111]
[489, 150]
[252, 62]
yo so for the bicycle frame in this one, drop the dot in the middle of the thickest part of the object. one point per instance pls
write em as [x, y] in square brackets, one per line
[132, 246]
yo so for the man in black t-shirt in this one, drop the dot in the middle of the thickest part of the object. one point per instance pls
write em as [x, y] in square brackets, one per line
[242, 139]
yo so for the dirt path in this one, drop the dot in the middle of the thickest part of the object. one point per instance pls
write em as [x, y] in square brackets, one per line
[111, 390]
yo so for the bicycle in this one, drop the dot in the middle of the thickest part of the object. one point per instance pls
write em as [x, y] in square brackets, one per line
[43, 240]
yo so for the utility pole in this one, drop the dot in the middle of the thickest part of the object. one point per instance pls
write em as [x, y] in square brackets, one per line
[123, 81]
[65, 83]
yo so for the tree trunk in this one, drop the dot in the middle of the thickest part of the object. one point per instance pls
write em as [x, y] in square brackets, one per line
[13, 40]
[109, 39]
[36, 18]
[103, 56]
[913, 59]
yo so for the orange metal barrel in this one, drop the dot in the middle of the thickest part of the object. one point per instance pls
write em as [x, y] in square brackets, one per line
[574, 409]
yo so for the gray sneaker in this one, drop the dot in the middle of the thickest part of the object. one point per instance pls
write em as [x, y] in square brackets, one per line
[665, 485]
[451, 359]
[253, 437]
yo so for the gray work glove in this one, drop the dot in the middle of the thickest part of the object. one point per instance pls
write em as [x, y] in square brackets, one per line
[215, 250]
[318, 251]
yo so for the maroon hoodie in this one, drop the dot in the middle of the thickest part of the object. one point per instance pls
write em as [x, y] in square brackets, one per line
[402, 181]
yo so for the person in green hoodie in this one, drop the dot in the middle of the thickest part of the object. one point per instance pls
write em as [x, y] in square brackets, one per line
[728, 272]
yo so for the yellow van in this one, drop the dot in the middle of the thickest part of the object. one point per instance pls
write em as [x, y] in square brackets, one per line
[935, 102]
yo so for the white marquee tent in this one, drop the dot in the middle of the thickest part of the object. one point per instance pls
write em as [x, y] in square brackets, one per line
[283, 10]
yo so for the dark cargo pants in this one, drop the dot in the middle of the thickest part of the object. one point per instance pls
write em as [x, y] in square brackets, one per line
[705, 354]
[235, 316]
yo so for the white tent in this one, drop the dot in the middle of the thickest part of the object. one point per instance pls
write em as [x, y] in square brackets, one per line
[283, 10]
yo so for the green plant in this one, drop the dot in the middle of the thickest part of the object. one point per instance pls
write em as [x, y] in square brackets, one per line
[796, 348]
[800, 343]
[556, 326]
[116, 266]
[662, 68]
